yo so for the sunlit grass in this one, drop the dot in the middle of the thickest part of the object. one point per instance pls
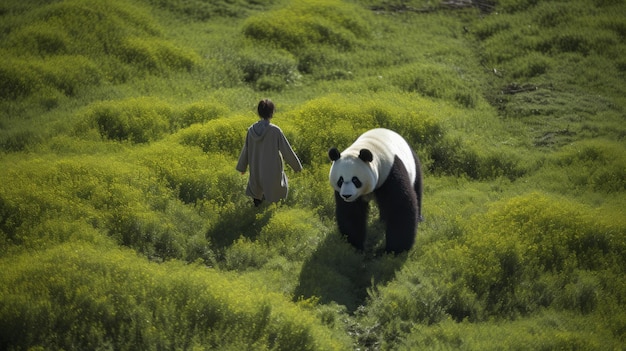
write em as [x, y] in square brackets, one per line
[123, 223]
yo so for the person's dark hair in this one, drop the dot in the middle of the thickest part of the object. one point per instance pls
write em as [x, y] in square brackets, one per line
[266, 108]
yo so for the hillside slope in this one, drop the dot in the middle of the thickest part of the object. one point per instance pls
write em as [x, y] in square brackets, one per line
[124, 225]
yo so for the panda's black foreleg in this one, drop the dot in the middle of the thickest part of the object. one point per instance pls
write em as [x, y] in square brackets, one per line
[418, 186]
[398, 201]
[352, 220]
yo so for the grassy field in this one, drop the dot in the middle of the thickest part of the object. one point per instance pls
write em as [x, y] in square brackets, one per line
[124, 224]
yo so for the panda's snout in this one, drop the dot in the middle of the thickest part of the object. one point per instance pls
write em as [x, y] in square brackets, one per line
[346, 196]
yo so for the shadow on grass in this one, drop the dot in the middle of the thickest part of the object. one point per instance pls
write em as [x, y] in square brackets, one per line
[245, 221]
[336, 272]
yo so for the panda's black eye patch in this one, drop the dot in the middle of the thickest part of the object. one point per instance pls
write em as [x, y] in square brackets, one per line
[340, 182]
[357, 183]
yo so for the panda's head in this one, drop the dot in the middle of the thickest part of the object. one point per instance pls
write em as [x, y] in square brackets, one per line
[351, 175]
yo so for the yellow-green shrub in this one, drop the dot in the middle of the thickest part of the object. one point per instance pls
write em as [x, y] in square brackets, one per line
[199, 112]
[67, 74]
[195, 175]
[79, 296]
[436, 81]
[156, 55]
[45, 202]
[506, 253]
[224, 135]
[138, 120]
[279, 65]
[304, 23]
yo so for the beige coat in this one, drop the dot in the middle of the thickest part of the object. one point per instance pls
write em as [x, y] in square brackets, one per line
[264, 150]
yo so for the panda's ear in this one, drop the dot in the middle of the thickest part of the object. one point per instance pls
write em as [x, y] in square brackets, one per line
[366, 155]
[334, 154]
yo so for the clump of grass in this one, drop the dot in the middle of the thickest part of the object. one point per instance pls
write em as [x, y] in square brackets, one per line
[422, 123]
[545, 238]
[157, 55]
[136, 120]
[223, 135]
[549, 330]
[66, 74]
[316, 33]
[200, 112]
[139, 212]
[589, 166]
[74, 44]
[302, 24]
[273, 70]
[116, 298]
[193, 174]
[202, 11]
[436, 81]
[290, 233]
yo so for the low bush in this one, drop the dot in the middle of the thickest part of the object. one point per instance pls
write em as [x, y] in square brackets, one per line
[435, 81]
[585, 167]
[290, 233]
[421, 122]
[19, 77]
[534, 236]
[156, 55]
[225, 135]
[78, 296]
[273, 70]
[202, 11]
[41, 39]
[199, 112]
[547, 331]
[136, 120]
[303, 24]
[67, 74]
[84, 193]
[193, 174]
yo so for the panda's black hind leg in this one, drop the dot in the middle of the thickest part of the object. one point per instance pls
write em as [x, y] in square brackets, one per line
[352, 220]
[398, 200]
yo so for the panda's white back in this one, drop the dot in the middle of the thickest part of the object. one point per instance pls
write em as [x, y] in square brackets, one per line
[384, 145]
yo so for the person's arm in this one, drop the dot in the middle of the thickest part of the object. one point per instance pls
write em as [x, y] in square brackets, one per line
[289, 156]
[242, 164]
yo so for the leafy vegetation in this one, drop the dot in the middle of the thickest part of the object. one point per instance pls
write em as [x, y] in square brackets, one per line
[124, 225]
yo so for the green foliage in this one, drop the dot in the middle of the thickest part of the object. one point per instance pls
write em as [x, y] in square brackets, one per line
[73, 44]
[124, 224]
[421, 122]
[206, 10]
[156, 55]
[291, 233]
[136, 120]
[520, 256]
[271, 71]
[199, 112]
[66, 74]
[80, 297]
[225, 135]
[305, 23]
[436, 81]
[548, 331]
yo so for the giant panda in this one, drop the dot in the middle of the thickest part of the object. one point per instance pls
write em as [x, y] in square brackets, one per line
[379, 164]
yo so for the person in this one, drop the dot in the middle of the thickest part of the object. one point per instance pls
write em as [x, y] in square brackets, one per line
[264, 149]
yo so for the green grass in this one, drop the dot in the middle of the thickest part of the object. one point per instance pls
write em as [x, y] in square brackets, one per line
[124, 225]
